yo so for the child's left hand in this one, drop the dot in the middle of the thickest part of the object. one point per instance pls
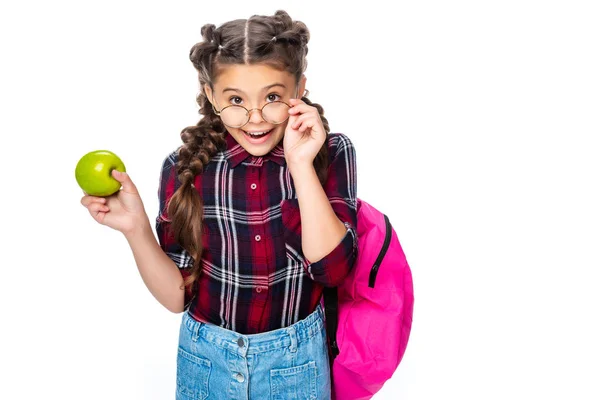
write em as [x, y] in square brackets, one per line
[304, 133]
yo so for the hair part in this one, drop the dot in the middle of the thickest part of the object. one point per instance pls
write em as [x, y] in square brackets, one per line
[275, 40]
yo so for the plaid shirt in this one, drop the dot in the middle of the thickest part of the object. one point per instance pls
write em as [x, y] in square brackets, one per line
[254, 275]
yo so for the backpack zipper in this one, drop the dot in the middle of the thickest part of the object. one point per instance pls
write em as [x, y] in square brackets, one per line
[384, 248]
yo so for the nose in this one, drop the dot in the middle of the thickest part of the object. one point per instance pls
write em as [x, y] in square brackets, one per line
[256, 116]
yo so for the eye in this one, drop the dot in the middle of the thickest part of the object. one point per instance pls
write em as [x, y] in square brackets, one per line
[233, 98]
[273, 97]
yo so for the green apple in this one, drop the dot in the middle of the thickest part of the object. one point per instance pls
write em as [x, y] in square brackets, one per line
[94, 172]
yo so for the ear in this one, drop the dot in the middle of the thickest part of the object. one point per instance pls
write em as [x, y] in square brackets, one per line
[301, 86]
[208, 93]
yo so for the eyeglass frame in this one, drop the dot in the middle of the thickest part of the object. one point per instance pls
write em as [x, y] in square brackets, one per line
[250, 110]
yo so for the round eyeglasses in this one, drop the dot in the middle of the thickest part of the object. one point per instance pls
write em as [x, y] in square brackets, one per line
[235, 116]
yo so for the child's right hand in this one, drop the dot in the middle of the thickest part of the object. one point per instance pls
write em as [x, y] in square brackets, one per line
[123, 210]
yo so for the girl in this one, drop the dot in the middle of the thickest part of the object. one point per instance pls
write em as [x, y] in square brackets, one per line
[257, 214]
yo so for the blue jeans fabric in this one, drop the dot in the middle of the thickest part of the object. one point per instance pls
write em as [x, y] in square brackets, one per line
[287, 363]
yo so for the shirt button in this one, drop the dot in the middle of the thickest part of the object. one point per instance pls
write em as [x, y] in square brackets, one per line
[241, 342]
[258, 289]
[257, 238]
[239, 377]
[253, 186]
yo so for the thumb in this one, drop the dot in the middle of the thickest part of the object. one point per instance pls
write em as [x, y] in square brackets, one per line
[125, 180]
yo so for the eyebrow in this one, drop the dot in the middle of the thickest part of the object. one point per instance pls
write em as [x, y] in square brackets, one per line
[265, 88]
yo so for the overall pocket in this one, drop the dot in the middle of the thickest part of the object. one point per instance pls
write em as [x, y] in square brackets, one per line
[298, 382]
[192, 376]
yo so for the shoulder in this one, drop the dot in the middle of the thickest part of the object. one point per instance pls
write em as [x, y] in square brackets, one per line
[168, 174]
[170, 159]
[168, 182]
[337, 143]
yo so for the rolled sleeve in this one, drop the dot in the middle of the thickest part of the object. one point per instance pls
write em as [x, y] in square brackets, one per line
[340, 188]
[181, 257]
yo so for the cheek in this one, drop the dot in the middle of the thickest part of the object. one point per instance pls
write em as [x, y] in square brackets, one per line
[232, 131]
[236, 132]
[280, 132]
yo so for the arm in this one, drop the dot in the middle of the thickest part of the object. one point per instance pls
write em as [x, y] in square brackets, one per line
[322, 230]
[163, 264]
[329, 216]
[158, 271]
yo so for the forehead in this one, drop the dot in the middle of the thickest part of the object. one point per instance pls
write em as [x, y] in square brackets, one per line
[251, 78]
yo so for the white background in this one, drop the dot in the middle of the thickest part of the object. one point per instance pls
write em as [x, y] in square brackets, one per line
[476, 125]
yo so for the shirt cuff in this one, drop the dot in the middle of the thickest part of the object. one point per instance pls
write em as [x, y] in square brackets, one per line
[331, 270]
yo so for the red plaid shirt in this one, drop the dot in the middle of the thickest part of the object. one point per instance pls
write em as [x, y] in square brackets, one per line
[254, 275]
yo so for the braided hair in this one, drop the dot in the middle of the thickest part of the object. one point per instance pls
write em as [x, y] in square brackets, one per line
[274, 40]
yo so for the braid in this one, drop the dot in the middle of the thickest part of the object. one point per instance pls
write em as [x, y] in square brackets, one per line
[200, 144]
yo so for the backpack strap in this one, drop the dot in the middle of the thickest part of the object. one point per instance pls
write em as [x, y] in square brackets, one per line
[330, 298]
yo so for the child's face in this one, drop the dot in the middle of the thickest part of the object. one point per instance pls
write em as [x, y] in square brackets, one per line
[248, 86]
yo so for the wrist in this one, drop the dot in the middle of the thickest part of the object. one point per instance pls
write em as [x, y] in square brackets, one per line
[140, 227]
[300, 167]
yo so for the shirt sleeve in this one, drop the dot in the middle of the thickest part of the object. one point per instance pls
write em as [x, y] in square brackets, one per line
[340, 188]
[168, 184]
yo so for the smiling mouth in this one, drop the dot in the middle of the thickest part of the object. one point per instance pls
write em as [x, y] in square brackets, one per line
[255, 135]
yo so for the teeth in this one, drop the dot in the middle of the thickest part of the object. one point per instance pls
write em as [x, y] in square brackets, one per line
[256, 133]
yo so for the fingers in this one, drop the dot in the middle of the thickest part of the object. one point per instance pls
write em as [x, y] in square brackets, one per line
[298, 106]
[87, 199]
[301, 120]
[94, 208]
[95, 205]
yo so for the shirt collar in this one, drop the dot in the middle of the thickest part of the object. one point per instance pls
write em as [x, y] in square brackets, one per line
[235, 152]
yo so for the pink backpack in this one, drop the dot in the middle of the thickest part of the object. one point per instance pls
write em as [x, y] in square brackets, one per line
[369, 316]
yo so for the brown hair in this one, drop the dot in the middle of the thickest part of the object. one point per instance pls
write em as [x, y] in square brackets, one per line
[273, 40]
